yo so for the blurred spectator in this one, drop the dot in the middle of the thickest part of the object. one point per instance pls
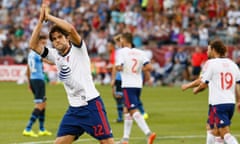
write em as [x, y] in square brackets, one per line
[199, 56]
[153, 22]
[101, 43]
[203, 35]
[157, 73]
[232, 35]
[236, 55]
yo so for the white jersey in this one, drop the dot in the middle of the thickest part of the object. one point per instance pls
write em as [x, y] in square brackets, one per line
[132, 60]
[221, 74]
[79, 63]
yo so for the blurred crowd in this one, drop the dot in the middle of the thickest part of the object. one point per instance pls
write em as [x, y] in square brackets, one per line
[153, 23]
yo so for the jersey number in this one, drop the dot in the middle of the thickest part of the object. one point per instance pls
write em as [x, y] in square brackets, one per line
[98, 130]
[226, 80]
[134, 69]
[32, 65]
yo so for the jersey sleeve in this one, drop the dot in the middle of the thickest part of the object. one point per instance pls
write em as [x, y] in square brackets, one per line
[207, 72]
[237, 74]
[119, 58]
[145, 58]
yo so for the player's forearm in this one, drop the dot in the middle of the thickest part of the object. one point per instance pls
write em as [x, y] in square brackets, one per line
[238, 93]
[60, 22]
[191, 84]
[69, 28]
[33, 43]
[28, 73]
[194, 83]
[199, 88]
[147, 76]
[113, 74]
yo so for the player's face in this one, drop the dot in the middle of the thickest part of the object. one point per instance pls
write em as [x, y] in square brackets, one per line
[60, 42]
[43, 42]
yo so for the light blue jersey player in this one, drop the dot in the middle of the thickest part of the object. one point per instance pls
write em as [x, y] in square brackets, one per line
[37, 85]
[36, 66]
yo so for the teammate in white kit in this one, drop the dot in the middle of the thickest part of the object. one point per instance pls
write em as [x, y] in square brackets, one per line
[222, 76]
[86, 111]
[131, 62]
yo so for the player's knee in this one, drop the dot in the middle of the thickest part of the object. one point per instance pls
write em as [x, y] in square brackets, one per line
[223, 131]
[64, 140]
[215, 132]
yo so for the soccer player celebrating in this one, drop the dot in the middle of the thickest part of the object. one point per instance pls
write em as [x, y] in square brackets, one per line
[131, 61]
[86, 112]
[36, 81]
[222, 76]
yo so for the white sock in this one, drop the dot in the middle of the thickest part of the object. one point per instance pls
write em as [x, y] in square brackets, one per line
[219, 140]
[128, 121]
[229, 139]
[210, 138]
[141, 122]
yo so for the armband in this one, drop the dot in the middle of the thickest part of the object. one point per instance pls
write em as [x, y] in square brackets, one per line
[45, 52]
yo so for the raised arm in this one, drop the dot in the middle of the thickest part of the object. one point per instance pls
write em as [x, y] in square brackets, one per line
[74, 36]
[33, 43]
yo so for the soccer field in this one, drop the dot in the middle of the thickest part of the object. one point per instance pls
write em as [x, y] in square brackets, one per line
[177, 117]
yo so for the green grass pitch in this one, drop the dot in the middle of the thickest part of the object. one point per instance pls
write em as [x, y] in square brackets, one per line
[177, 117]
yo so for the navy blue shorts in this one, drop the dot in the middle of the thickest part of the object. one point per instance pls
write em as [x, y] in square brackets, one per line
[38, 89]
[91, 119]
[220, 115]
[132, 97]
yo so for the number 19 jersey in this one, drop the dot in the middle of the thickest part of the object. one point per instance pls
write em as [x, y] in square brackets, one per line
[221, 74]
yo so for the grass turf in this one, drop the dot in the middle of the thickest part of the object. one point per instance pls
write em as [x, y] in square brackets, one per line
[177, 117]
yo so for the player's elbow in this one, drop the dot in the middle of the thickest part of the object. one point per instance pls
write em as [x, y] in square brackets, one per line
[119, 68]
[32, 45]
[148, 67]
[71, 29]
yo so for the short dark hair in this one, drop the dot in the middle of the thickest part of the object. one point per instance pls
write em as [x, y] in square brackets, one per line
[219, 47]
[56, 28]
[128, 37]
[41, 37]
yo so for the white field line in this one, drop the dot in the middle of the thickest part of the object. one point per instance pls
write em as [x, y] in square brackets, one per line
[132, 138]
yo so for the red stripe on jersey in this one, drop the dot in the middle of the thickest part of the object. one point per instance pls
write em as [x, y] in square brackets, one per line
[102, 116]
